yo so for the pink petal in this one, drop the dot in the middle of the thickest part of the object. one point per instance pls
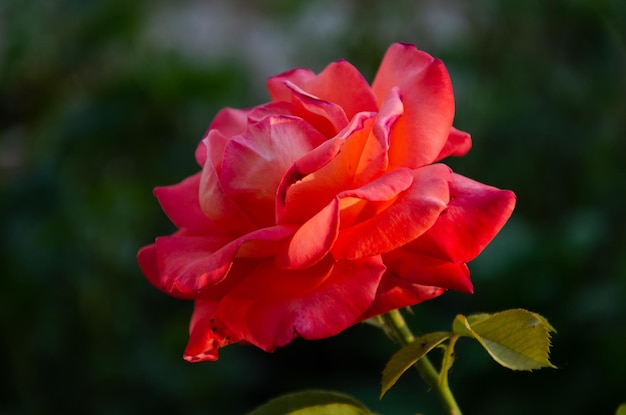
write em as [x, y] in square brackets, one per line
[276, 84]
[458, 144]
[327, 117]
[181, 204]
[342, 84]
[213, 145]
[227, 123]
[215, 203]
[395, 292]
[474, 216]
[189, 265]
[417, 268]
[230, 121]
[426, 92]
[412, 213]
[255, 162]
[271, 305]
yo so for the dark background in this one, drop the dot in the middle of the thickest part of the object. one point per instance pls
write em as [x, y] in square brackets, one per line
[102, 101]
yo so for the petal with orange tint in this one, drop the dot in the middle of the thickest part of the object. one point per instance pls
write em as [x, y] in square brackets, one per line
[402, 64]
[474, 216]
[458, 144]
[342, 84]
[320, 175]
[426, 92]
[271, 305]
[411, 214]
[255, 162]
[312, 241]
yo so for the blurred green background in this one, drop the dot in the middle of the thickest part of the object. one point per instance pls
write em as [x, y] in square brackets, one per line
[102, 101]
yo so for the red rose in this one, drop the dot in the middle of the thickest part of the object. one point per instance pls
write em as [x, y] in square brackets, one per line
[324, 207]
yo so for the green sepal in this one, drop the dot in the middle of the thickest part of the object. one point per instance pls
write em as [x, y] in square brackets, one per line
[406, 357]
[517, 339]
[313, 402]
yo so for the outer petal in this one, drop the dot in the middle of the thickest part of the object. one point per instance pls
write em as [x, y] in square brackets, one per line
[475, 215]
[327, 117]
[342, 84]
[181, 204]
[178, 264]
[276, 85]
[255, 162]
[188, 265]
[272, 306]
[395, 292]
[214, 202]
[230, 121]
[415, 267]
[206, 333]
[147, 259]
[411, 214]
[403, 64]
[420, 134]
[227, 122]
[458, 144]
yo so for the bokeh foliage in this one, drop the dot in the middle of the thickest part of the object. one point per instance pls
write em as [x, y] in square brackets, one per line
[96, 110]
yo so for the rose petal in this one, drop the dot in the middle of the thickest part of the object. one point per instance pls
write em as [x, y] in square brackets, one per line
[255, 162]
[146, 257]
[395, 292]
[188, 265]
[403, 64]
[206, 333]
[184, 264]
[315, 179]
[417, 268]
[475, 214]
[426, 91]
[312, 241]
[409, 216]
[272, 305]
[276, 84]
[458, 144]
[181, 204]
[342, 84]
[327, 117]
[230, 121]
[215, 203]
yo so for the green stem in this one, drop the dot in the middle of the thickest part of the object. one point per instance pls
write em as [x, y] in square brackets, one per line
[397, 325]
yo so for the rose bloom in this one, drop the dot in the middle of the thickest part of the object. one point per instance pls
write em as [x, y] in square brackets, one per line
[324, 207]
